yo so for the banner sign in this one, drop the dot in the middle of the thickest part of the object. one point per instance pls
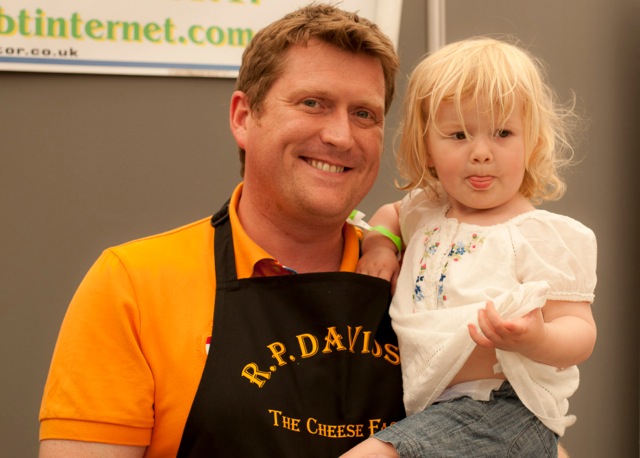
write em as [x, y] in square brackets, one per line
[149, 37]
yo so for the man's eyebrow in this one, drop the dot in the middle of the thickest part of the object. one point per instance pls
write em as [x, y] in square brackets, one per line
[372, 103]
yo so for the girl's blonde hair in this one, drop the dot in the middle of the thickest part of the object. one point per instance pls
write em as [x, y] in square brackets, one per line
[503, 76]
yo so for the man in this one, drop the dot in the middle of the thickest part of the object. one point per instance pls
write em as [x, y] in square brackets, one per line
[247, 334]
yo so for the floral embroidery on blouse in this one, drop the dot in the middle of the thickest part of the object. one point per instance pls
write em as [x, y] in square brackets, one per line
[457, 250]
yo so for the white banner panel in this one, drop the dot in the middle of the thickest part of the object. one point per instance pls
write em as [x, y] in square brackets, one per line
[149, 37]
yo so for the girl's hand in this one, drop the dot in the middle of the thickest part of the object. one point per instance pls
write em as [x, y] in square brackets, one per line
[520, 335]
[560, 334]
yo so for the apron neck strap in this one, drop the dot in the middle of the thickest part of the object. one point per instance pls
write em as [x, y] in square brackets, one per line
[221, 215]
[224, 255]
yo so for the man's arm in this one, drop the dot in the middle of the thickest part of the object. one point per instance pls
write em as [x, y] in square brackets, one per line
[55, 448]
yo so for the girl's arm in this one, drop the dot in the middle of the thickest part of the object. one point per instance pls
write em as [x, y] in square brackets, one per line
[560, 334]
[379, 252]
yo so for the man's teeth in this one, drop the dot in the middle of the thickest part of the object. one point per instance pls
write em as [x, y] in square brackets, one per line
[325, 167]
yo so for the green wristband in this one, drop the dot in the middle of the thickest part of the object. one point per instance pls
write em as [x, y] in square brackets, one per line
[390, 235]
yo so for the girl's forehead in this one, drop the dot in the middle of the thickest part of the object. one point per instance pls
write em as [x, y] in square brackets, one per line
[502, 107]
[470, 111]
[463, 108]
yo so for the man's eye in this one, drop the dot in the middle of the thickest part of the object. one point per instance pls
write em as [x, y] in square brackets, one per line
[364, 114]
[310, 103]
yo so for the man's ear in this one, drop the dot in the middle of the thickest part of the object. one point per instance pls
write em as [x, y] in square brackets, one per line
[239, 113]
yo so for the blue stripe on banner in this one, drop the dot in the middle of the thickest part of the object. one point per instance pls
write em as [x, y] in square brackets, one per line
[107, 63]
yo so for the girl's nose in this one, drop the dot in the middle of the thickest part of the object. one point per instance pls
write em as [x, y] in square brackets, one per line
[481, 150]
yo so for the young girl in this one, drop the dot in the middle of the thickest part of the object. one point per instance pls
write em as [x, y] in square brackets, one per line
[492, 304]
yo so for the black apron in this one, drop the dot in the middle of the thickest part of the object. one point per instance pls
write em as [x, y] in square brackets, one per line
[299, 366]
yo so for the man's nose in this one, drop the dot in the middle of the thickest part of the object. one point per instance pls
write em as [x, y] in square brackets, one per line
[337, 130]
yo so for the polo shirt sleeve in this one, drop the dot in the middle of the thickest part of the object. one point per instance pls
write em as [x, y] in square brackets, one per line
[100, 387]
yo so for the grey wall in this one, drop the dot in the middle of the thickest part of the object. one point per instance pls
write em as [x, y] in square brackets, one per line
[92, 161]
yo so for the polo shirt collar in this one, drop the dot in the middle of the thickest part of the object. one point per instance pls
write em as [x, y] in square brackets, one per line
[249, 254]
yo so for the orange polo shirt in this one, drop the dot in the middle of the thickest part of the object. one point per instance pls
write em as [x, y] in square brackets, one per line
[133, 342]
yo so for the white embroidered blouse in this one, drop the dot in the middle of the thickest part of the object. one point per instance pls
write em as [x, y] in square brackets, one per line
[451, 269]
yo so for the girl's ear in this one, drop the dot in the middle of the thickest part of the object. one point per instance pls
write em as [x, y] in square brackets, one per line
[428, 157]
[431, 167]
[429, 161]
[430, 127]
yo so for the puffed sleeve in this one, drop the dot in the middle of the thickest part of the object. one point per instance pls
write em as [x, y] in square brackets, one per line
[559, 250]
[415, 209]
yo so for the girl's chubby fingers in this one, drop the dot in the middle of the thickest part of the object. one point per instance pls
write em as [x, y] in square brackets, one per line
[487, 321]
[478, 337]
[492, 326]
[492, 316]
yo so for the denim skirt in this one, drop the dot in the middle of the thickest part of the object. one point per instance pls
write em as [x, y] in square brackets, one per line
[463, 427]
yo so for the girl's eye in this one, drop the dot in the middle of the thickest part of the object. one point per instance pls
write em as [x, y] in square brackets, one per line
[503, 133]
[459, 136]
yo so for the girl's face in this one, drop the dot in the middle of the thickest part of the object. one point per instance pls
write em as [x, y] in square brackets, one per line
[480, 163]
